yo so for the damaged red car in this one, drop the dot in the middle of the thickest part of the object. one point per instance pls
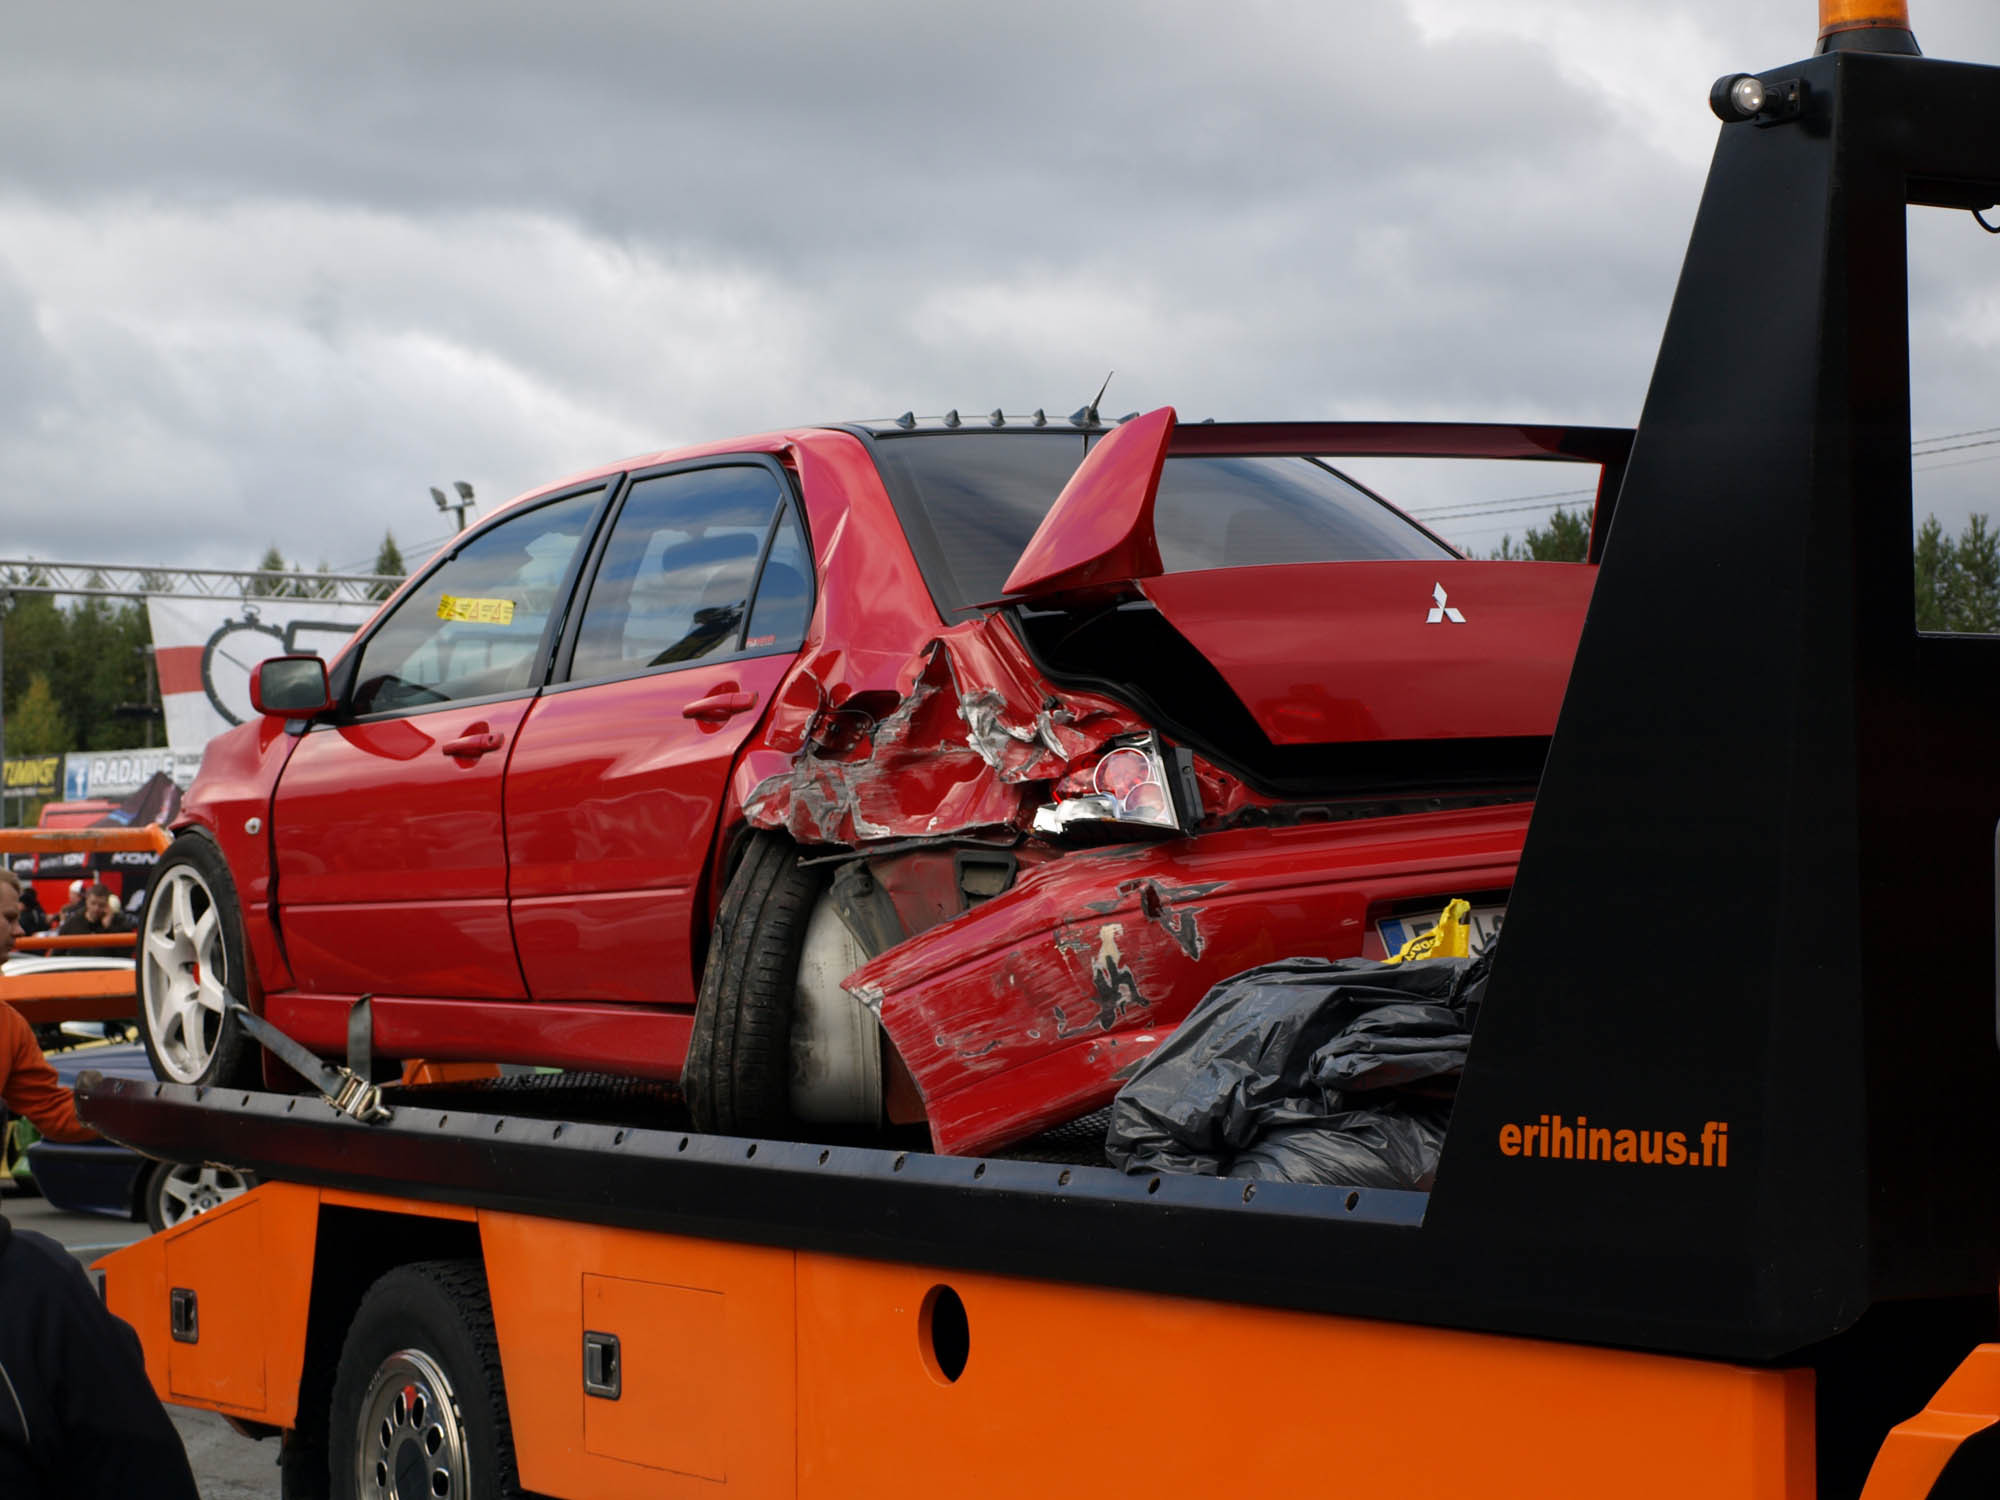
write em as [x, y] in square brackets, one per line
[880, 773]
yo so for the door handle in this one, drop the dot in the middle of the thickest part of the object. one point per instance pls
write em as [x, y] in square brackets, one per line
[719, 706]
[473, 745]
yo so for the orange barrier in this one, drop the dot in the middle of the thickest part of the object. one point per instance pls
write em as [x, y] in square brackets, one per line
[49, 942]
[80, 995]
[148, 838]
[46, 999]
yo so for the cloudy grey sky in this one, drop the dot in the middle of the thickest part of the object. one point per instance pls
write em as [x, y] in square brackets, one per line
[269, 272]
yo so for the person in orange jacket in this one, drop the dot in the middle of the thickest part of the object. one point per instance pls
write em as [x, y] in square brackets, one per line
[28, 1085]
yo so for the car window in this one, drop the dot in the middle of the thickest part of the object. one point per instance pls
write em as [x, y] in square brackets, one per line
[1256, 512]
[784, 589]
[474, 627]
[674, 582]
[981, 496]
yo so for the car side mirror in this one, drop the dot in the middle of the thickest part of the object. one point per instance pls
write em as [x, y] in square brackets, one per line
[290, 687]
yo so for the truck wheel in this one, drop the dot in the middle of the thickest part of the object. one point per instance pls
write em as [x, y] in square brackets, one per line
[418, 1406]
[739, 1060]
[191, 967]
[175, 1191]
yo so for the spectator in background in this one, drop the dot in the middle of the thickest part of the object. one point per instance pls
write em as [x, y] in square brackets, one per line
[34, 921]
[95, 916]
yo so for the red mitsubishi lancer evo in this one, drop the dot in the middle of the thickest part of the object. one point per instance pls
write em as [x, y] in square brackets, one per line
[879, 773]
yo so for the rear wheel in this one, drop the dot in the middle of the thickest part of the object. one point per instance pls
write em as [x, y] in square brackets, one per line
[776, 1041]
[419, 1407]
[191, 966]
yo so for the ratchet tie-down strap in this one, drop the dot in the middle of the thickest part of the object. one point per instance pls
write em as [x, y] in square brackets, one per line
[347, 1089]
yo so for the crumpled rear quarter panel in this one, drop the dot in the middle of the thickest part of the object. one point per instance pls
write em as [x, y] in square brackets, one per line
[1032, 1008]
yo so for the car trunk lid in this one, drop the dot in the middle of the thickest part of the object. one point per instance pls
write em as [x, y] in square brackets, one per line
[1344, 651]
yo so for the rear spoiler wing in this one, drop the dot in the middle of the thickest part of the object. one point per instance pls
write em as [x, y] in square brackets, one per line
[1099, 533]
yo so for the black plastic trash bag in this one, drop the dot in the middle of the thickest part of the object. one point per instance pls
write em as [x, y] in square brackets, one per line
[1391, 1146]
[1307, 1070]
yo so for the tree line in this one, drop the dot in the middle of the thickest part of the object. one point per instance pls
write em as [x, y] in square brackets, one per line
[77, 675]
[1957, 578]
[278, 579]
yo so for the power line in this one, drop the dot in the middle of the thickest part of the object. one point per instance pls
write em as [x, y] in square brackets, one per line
[1961, 463]
[1481, 510]
[1945, 437]
[1954, 448]
[1517, 504]
[1475, 507]
[420, 551]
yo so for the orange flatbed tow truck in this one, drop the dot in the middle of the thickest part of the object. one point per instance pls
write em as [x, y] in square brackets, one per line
[1717, 1211]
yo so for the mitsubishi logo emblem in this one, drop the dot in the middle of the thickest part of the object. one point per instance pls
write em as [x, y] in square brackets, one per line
[1442, 611]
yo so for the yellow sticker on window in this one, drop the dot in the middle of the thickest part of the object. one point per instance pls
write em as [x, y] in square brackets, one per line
[478, 611]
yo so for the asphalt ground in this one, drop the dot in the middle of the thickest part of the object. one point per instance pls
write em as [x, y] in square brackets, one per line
[227, 1466]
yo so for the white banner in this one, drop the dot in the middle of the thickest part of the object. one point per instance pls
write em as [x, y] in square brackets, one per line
[204, 649]
[117, 774]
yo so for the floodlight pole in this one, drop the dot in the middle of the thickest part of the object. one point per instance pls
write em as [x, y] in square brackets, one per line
[458, 507]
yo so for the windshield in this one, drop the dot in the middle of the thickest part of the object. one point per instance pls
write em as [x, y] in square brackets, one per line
[970, 502]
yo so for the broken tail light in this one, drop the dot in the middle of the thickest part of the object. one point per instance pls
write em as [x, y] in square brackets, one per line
[1140, 782]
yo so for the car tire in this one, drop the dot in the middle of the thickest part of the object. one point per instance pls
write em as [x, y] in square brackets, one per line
[174, 1192]
[737, 1078]
[419, 1405]
[192, 928]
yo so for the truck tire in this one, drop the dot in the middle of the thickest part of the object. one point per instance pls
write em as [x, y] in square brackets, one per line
[739, 1061]
[191, 967]
[419, 1407]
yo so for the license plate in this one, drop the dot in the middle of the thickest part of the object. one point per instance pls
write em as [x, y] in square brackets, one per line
[1396, 931]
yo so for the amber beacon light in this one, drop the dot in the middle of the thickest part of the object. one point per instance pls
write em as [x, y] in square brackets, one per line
[1865, 26]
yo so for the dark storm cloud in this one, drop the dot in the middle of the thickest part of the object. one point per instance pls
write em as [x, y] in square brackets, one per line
[269, 272]
[780, 133]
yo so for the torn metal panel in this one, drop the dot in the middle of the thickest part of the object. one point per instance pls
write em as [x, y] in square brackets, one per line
[1023, 1012]
[968, 726]
[1169, 906]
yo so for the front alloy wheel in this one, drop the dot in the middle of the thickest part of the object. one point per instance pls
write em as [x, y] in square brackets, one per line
[185, 984]
[190, 961]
